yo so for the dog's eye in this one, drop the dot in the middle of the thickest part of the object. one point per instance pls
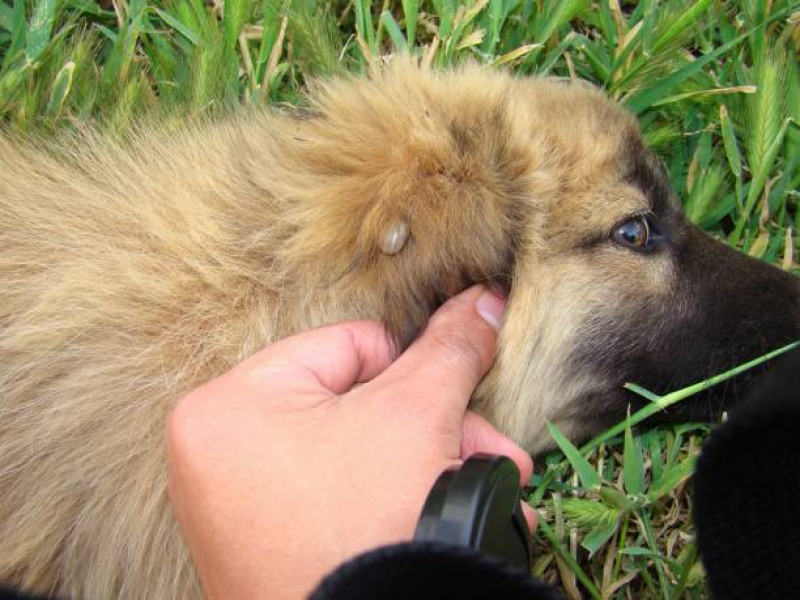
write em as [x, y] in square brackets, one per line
[633, 233]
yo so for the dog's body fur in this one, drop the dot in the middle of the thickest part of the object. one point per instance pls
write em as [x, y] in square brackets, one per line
[131, 273]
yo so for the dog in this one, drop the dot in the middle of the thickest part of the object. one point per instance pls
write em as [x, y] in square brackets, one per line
[131, 271]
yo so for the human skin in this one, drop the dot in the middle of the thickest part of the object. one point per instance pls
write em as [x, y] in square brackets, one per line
[325, 445]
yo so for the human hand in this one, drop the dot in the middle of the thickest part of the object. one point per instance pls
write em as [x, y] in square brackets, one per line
[325, 445]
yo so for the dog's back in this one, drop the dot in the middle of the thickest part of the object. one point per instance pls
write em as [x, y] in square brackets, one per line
[119, 292]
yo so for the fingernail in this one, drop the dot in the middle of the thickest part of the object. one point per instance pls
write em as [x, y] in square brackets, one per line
[491, 306]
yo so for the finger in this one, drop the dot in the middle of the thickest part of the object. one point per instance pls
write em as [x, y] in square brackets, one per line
[478, 436]
[453, 353]
[531, 516]
[333, 358]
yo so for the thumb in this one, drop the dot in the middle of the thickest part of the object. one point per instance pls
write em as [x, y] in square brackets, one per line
[444, 365]
[480, 437]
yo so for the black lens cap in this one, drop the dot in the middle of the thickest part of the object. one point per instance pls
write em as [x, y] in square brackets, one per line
[478, 506]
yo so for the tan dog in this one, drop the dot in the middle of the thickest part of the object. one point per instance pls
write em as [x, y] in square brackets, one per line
[129, 274]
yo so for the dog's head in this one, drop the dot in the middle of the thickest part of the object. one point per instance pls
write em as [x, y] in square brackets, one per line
[429, 182]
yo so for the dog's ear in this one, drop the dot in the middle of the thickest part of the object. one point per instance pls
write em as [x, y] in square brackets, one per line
[408, 199]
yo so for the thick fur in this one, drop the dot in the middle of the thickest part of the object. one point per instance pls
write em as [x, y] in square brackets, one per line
[132, 272]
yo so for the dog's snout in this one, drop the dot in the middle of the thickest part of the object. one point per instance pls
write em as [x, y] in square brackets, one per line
[742, 302]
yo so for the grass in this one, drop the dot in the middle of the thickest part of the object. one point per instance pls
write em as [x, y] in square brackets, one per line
[714, 83]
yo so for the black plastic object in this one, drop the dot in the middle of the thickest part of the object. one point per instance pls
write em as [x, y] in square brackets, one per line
[478, 506]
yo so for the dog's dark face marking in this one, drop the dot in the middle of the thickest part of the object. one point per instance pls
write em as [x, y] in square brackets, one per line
[722, 308]
[621, 287]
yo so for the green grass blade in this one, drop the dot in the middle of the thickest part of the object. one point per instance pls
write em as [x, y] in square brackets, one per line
[612, 497]
[559, 13]
[729, 141]
[40, 28]
[548, 533]
[653, 444]
[62, 85]
[585, 471]
[6, 16]
[10, 83]
[707, 202]
[685, 20]
[556, 53]
[684, 571]
[637, 389]
[658, 562]
[597, 537]
[364, 28]
[393, 29]
[670, 479]
[233, 21]
[515, 54]
[19, 28]
[178, 26]
[633, 466]
[446, 11]
[739, 89]
[494, 19]
[678, 395]
[759, 181]
[411, 13]
[641, 101]
[110, 34]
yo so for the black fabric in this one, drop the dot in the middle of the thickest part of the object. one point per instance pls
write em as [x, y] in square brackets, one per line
[430, 570]
[9, 594]
[747, 493]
